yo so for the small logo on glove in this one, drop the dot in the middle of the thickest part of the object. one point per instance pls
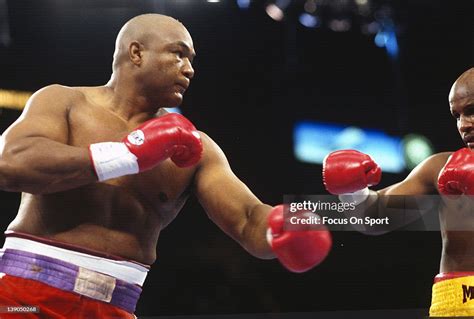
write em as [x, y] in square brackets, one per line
[136, 137]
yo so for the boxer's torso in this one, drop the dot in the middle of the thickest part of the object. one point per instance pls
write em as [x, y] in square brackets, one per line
[456, 218]
[457, 232]
[122, 216]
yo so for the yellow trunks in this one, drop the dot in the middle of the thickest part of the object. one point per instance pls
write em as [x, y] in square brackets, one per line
[453, 295]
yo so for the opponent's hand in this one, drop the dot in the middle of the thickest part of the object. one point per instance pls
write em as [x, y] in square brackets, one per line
[347, 171]
[169, 136]
[298, 250]
[457, 175]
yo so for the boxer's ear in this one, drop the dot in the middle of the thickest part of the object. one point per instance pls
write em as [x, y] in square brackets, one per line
[135, 52]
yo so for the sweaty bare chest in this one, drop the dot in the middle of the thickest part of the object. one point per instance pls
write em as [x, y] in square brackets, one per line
[163, 189]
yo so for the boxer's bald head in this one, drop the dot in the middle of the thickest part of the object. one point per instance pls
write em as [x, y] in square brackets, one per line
[147, 30]
[153, 58]
[461, 102]
[463, 86]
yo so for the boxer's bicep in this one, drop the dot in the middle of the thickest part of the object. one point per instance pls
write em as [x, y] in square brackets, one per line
[34, 155]
[226, 199]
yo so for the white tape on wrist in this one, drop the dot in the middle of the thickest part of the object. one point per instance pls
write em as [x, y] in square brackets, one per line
[269, 237]
[357, 197]
[113, 159]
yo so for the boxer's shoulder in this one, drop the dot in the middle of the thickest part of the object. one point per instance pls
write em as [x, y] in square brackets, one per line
[53, 98]
[60, 92]
[213, 164]
[434, 163]
[428, 170]
[75, 95]
[211, 151]
[437, 161]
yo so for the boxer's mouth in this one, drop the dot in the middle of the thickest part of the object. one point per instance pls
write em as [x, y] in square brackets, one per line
[469, 140]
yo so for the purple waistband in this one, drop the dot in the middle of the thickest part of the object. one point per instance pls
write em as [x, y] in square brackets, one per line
[69, 277]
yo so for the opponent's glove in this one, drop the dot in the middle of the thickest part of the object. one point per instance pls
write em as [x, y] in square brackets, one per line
[350, 171]
[169, 136]
[298, 250]
[457, 175]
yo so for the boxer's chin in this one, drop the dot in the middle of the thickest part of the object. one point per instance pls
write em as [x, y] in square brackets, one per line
[174, 100]
[177, 99]
[470, 145]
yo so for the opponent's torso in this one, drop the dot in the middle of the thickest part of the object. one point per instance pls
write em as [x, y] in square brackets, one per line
[457, 232]
[122, 216]
[456, 216]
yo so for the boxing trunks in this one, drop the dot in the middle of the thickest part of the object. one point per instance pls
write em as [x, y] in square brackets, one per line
[453, 295]
[39, 279]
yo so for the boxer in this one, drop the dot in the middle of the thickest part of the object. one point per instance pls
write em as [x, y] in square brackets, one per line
[348, 173]
[104, 169]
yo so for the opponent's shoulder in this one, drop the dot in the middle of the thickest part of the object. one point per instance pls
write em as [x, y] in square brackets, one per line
[428, 170]
[435, 162]
[422, 180]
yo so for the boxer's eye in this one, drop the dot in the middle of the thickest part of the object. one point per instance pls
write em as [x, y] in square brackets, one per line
[178, 53]
[469, 111]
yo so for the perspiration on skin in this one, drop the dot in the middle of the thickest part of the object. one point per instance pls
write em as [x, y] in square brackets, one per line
[457, 225]
[46, 157]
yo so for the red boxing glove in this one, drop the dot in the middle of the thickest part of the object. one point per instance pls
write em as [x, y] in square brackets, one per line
[347, 171]
[169, 136]
[457, 175]
[298, 250]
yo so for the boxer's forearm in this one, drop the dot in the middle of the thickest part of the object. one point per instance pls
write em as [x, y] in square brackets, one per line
[370, 208]
[398, 210]
[38, 165]
[254, 232]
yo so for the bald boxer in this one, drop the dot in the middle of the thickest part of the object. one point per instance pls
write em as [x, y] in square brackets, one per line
[104, 169]
[348, 173]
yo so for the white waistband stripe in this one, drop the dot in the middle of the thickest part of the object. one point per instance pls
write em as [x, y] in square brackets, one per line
[120, 269]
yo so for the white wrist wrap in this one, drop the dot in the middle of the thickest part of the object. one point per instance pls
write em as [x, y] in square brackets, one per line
[112, 159]
[269, 237]
[357, 197]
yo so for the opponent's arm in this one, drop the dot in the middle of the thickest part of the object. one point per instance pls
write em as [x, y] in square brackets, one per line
[255, 226]
[348, 174]
[422, 180]
[35, 157]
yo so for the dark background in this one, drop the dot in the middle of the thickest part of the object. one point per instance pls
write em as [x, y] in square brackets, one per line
[255, 77]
